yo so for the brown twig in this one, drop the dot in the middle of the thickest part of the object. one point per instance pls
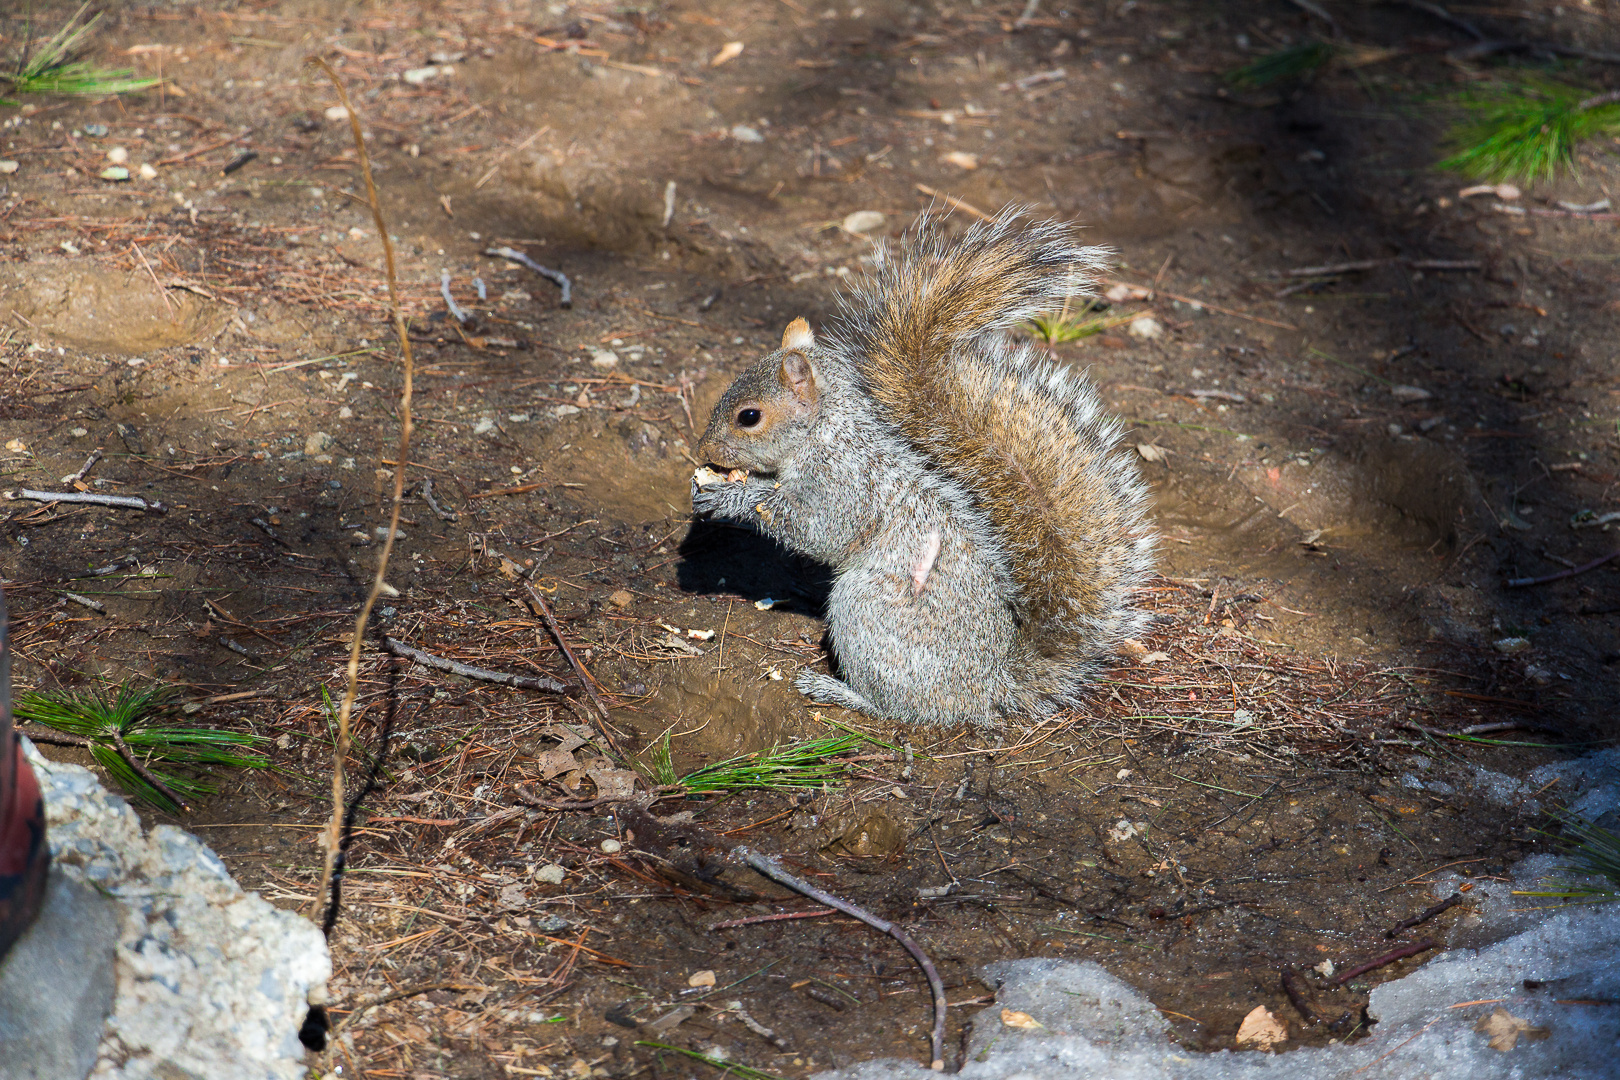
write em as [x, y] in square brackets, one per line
[142, 771]
[779, 917]
[1522, 582]
[1425, 915]
[770, 868]
[340, 749]
[456, 667]
[1387, 958]
[544, 609]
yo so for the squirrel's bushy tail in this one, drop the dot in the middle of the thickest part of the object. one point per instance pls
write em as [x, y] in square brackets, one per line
[1027, 439]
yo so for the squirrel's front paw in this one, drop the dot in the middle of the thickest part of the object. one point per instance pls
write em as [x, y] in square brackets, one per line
[716, 496]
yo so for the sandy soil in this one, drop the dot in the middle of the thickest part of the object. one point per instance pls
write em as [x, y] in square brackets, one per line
[1350, 473]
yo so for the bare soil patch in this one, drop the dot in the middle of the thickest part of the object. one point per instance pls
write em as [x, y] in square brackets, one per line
[1270, 792]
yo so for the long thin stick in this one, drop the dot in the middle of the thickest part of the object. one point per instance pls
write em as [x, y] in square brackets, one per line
[456, 667]
[579, 668]
[124, 502]
[1521, 582]
[145, 774]
[770, 868]
[340, 751]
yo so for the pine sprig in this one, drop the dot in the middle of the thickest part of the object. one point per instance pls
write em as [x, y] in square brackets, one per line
[52, 68]
[809, 764]
[126, 736]
[1526, 128]
[1592, 851]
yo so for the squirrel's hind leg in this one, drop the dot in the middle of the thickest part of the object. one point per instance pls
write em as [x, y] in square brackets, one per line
[818, 687]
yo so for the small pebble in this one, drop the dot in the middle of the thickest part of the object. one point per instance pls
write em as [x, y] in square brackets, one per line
[1146, 328]
[118, 155]
[612, 847]
[864, 221]
[550, 874]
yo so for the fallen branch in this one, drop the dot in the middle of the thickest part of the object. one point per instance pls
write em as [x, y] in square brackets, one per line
[456, 667]
[1523, 582]
[123, 502]
[690, 838]
[557, 276]
[1425, 915]
[1387, 958]
[142, 771]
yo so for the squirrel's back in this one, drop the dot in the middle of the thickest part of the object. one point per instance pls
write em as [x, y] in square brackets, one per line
[1026, 438]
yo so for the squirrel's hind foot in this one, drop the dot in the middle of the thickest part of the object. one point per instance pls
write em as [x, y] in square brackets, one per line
[818, 687]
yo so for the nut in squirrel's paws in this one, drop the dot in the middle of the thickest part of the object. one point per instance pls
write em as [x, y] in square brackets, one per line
[705, 476]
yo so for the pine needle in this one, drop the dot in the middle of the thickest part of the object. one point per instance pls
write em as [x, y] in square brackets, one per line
[1525, 129]
[52, 69]
[135, 715]
[1284, 65]
[1593, 852]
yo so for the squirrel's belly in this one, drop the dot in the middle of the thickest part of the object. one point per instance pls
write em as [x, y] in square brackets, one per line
[934, 654]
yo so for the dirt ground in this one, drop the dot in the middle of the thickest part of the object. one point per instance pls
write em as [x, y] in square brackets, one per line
[1346, 475]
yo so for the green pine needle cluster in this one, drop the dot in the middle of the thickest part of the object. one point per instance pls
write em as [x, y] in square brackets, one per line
[1284, 65]
[137, 713]
[1593, 851]
[810, 764]
[1524, 129]
[1056, 329]
[52, 68]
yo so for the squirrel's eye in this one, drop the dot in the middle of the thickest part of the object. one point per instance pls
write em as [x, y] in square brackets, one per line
[748, 418]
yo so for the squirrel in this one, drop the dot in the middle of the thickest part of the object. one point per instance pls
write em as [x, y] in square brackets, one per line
[986, 533]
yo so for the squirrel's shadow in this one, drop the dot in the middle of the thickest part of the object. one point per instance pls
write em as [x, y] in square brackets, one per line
[718, 558]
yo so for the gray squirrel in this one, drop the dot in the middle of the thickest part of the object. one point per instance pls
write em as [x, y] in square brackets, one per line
[986, 533]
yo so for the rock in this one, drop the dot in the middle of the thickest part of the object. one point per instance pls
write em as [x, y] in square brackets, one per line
[147, 171]
[1409, 393]
[620, 598]
[1122, 292]
[1147, 328]
[319, 442]
[9, 167]
[70, 948]
[118, 156]
[604, 360]
[422, 75]
[700, 978]
[485, 425]
[1509, 645]
[961, 159]
[337, 112]
[550, 874]
[565, 410]
[115, 173]
[205, 973]
[745, 134]
[611, 847]
[864, 221]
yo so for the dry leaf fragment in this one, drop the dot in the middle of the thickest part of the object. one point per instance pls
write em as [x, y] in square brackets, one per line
[1150, 452]
[961, 159]
[1505, 1029]
[729, 51]
[613, 783]
[554, 763]
[1022, 1020]
[1261, 1029]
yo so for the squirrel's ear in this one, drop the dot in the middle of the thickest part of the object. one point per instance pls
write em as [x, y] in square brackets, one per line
[799, 375]
[798, 335]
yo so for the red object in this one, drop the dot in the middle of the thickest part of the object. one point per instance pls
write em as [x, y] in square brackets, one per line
[24, 856]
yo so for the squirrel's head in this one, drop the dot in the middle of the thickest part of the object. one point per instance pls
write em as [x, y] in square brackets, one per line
[763, 416]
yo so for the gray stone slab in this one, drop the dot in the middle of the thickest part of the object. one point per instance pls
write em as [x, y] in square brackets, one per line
[57, 984]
